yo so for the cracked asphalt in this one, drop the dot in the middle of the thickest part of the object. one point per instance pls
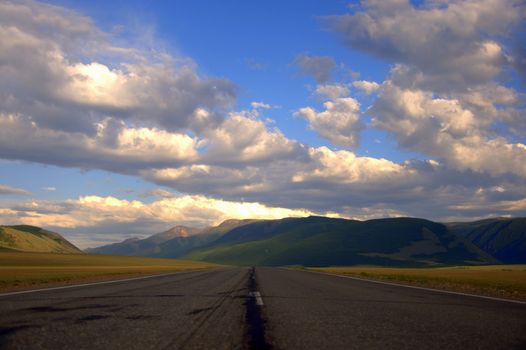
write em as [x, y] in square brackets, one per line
[216, 309]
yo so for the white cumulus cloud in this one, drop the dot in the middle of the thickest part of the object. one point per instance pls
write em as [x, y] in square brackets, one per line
[339, 122]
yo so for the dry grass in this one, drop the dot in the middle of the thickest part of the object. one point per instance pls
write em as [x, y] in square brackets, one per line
[44, 241]
[29, 270]
[505, 281]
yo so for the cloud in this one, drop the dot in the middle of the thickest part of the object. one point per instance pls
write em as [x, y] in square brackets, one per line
[518, 59]
[65, 74]
[261, 105]
[339, 122]
[71, 97]
[324, 179]
[319, 67]
[113, 147]
[244, 138]
[49, 189]
[465, 32]
[343, 182]
[346, 167]
[449, 103]
[8, 190]
[206, 179]
[445, 128]
[332, 91]
[493, 103]
[368, 87]
[157, 193]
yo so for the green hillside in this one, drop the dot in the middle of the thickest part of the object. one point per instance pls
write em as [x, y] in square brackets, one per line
[34, 239]
[320, 241]
[503, 238]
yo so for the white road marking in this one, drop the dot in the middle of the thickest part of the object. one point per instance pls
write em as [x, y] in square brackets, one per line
[93, 283]
[257, 296]
[416, 287]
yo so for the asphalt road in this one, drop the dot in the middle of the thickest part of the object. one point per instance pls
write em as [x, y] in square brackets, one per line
[195, 310]
[306, 310]
[235, 308]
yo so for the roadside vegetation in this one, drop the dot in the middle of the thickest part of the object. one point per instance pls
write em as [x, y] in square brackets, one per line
[504, 281]
[23, 270]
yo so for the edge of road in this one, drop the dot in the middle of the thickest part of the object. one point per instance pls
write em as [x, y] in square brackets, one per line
[100, 282]
[412, 287]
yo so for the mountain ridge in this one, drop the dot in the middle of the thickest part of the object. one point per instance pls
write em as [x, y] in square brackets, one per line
[504, 238]
[320, 241]
[323, 241]
[170, 243]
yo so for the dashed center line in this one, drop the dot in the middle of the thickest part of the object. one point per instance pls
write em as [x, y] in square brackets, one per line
[256, 324]
[257, 296]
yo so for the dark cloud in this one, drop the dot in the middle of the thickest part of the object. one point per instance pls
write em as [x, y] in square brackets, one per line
[519, 59]
[8, 190]
[115, 148]
[319, 67]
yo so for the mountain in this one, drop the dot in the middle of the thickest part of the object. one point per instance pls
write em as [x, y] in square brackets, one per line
[503, 238]
[34, 239]
[172, 243]
[177, 231]
[145, 247]
[321, 241]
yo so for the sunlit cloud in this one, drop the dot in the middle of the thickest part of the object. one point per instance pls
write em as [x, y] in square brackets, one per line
[368, 87]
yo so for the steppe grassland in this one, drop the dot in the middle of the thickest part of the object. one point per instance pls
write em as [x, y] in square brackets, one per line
[506, 281]
[19, 270]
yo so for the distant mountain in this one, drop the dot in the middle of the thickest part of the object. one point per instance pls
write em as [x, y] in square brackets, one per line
[321, 241]
[145, 247]
[177, 231]
[34, 239]
[503, 238]
[172, 243]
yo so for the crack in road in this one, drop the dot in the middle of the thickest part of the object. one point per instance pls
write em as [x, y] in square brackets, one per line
[254, 318]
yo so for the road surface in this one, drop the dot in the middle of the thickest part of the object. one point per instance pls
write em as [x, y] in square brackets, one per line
[271, 308]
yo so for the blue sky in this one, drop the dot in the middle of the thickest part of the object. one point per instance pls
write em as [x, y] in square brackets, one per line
[141, 115]
[254, 45]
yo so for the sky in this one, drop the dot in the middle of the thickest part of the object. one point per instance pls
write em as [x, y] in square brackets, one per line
[121, 119]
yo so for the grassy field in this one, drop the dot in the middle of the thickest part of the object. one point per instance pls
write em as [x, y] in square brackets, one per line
[28, 270]
[505, 281]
